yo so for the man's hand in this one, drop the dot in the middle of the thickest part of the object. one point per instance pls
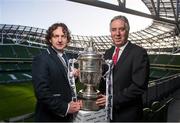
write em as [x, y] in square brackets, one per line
[101, 101]
[74, 106]
[76, 72]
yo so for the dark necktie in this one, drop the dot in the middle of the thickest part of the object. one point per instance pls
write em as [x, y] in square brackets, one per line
[115, 57]
[65, 58]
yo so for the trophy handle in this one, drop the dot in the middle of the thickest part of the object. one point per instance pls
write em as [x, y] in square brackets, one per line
[109, 89]
[110, 66]
[71, 78]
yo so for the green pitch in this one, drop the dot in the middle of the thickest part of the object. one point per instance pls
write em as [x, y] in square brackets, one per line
[16, 99]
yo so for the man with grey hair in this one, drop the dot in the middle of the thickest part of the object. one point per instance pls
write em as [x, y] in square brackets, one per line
[130, 74]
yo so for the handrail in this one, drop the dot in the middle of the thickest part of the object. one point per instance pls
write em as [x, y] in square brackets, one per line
[165, 78]
[165, 65]
[16, 60]
[10, 58]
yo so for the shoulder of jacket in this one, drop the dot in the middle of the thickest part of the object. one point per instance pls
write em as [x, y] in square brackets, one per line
[137, 46]
[42, 54]
[111, 49]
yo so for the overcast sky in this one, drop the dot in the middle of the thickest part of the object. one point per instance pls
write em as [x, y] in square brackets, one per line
[81, 19]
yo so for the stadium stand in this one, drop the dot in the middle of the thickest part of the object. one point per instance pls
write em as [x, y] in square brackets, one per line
[163, 65]
[16, 60]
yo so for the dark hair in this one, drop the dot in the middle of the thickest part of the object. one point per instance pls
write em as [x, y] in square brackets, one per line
[123, 18]
[49, 32]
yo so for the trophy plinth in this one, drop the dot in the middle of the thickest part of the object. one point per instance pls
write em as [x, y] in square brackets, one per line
[90, 64]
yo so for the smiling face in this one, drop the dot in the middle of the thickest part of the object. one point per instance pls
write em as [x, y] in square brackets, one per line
[59, 39]
[119, 32]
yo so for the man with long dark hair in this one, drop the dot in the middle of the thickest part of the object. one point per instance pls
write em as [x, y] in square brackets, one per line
[49, 74]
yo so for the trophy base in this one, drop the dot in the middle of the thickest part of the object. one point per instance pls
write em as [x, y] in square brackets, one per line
[88, 103]
[90, 116]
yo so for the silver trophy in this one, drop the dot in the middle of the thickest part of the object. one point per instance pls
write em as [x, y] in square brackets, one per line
[90, 65]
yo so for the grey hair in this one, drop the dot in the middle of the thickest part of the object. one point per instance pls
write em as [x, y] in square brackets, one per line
[123, 18]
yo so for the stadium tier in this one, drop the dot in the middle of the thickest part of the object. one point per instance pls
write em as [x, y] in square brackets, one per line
[16, 54]
[15, 63]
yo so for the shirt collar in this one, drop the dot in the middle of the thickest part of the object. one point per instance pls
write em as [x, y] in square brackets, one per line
[122, 47]
[58, 52]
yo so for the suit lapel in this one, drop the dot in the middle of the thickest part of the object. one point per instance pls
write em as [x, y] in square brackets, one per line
[124, 55]
[58, 62]
[109, 53]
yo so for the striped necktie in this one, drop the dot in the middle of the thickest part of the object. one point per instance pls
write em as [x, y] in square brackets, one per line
[65, 58]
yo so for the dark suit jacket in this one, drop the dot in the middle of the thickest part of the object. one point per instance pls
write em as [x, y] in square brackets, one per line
[130, 80]
[51, 87]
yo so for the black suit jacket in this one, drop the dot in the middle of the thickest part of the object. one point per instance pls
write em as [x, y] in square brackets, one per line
[51, 87]
[130, 80]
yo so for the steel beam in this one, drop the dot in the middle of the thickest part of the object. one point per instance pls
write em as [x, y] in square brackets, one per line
[121, 9]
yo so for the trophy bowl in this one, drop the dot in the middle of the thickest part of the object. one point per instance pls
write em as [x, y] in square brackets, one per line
[90, 65]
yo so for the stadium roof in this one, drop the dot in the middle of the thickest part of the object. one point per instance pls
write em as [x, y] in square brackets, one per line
[162, 36]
